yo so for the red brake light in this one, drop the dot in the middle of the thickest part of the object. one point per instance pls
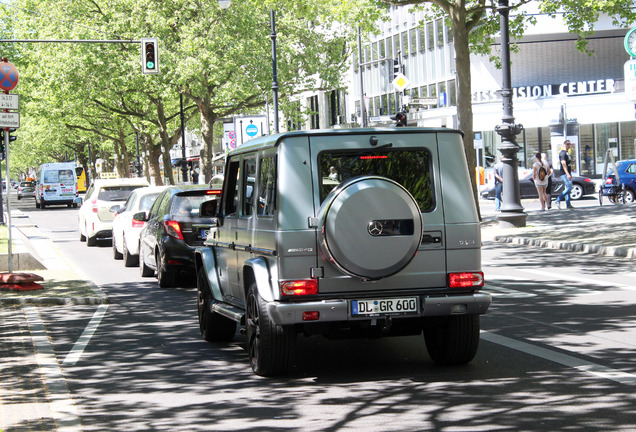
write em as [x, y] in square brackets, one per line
[94, 204]
[465, 280]
[609, 180]
[213, 192]
[173, 229]
[137, 224]
[299, 287]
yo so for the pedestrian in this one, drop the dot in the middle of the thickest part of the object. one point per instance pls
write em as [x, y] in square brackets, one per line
[498, 172]
[333, 174]
[195, 176]
[540, 176]
[548, 189]
[565, 171]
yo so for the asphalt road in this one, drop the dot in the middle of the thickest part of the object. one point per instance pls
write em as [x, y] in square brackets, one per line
[556, 353]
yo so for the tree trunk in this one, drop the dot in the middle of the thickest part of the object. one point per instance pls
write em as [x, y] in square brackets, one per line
[464, 93]
[207, 132]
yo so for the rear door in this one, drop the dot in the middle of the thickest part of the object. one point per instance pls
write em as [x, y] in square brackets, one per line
[412, 161]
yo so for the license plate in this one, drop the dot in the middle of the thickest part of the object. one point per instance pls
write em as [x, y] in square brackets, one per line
[385, 306]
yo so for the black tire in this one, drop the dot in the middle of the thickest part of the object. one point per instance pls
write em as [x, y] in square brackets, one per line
[74, 205]
[37, 204]
[629, 196]
[455, 341]
[129, 259]
[91, 241]
[165, 278]
[270, 346]
[144, 270]
[116, 254]
[42, 206]
[213, 327]
[19, 197]
[600, 198]
[82, 237]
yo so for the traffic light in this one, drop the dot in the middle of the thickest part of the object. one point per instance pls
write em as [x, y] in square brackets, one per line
[149, 56]
[11, 137]
[396, 68]
[400, 119]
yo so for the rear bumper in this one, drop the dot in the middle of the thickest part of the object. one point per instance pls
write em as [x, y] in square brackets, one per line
[339, 310]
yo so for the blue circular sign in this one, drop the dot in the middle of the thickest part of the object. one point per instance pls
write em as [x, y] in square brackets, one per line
[251, 130]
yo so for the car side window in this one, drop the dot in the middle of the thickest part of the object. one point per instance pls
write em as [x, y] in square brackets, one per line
[249, 177]
[154, 210]
[267, 187]
[632, 169]
[230, 197]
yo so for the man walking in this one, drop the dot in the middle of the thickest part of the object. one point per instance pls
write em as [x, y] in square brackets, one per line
[565, 171]
[498, 171]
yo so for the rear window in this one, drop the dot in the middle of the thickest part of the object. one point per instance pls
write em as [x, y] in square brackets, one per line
[188, 205]
[410, 168]
[59, 176]
[115, 193]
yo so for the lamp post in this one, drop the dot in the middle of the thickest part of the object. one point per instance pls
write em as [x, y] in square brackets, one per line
[184, 166]
[512, 214]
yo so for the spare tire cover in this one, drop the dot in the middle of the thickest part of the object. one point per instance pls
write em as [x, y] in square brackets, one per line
[371, 227]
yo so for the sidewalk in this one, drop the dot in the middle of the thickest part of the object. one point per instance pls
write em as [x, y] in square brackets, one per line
[608, 230]
[62, 284]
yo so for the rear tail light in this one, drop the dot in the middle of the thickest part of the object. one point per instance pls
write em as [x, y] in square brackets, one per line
[299, 287]
[173, 229]
[466, 280]
[137, 224]
[213, 192]
[94, 205]
[311, 316]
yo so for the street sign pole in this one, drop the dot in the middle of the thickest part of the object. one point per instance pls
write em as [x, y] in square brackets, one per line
[6, 152]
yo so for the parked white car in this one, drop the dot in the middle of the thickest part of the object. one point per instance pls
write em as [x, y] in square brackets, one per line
[95, 220]
[126, 229]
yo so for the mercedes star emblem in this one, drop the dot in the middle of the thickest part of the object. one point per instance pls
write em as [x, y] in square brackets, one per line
[375, 228]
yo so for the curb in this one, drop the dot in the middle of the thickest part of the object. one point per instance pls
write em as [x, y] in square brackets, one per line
[53, 301]
[619, 251]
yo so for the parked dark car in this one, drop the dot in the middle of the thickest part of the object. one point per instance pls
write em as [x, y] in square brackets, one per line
[176, 224]
[626, 170]
[581, 186]
[26, 189]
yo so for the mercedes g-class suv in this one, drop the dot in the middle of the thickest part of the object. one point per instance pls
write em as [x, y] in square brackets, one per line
[355, 232]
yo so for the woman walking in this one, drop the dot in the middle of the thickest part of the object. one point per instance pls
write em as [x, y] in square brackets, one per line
[540, 174]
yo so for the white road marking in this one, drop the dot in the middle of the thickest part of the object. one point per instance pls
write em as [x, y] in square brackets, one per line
[61, 404]
[78, 348]
[560, 358]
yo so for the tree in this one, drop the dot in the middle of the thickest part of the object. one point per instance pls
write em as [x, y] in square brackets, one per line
[474, 23]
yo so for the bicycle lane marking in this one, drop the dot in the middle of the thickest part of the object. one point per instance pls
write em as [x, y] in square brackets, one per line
[61, 403]
[80, 345]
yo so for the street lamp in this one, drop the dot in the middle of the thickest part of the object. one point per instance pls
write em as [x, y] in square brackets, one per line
[224, 4]
[512, 214]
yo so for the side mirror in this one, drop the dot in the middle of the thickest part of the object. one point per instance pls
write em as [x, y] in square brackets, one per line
[140, 217]
[79, 200]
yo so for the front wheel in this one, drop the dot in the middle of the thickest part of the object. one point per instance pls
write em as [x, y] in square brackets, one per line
[577, 192]
[213, 327]
[270, 346]
[144, 270]
[454, 341]
[116, 254]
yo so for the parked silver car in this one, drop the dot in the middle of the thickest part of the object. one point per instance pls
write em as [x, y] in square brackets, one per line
[370, 232]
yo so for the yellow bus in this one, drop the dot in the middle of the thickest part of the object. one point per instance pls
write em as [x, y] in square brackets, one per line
[81, 179]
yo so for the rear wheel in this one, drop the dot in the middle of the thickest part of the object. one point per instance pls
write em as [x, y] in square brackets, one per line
[42, 206]
[454, 341]
[270, 346]
[628, 198]
[214, 327]
[577, 192]
[165, 277]
[90, 241]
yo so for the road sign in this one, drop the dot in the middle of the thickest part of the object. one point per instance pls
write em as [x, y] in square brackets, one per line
[9, 101]
[630, 79]
[400, 82]
[9, 120]
[249, 127]
[8, 76]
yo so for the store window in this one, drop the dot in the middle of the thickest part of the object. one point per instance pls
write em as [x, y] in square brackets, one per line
[405, 43]
[413, 38]
[628, 140]
[605, 137]
[421, 34]
[430, 36]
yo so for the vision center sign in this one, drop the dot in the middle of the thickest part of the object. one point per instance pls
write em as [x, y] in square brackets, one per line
[576, 88]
